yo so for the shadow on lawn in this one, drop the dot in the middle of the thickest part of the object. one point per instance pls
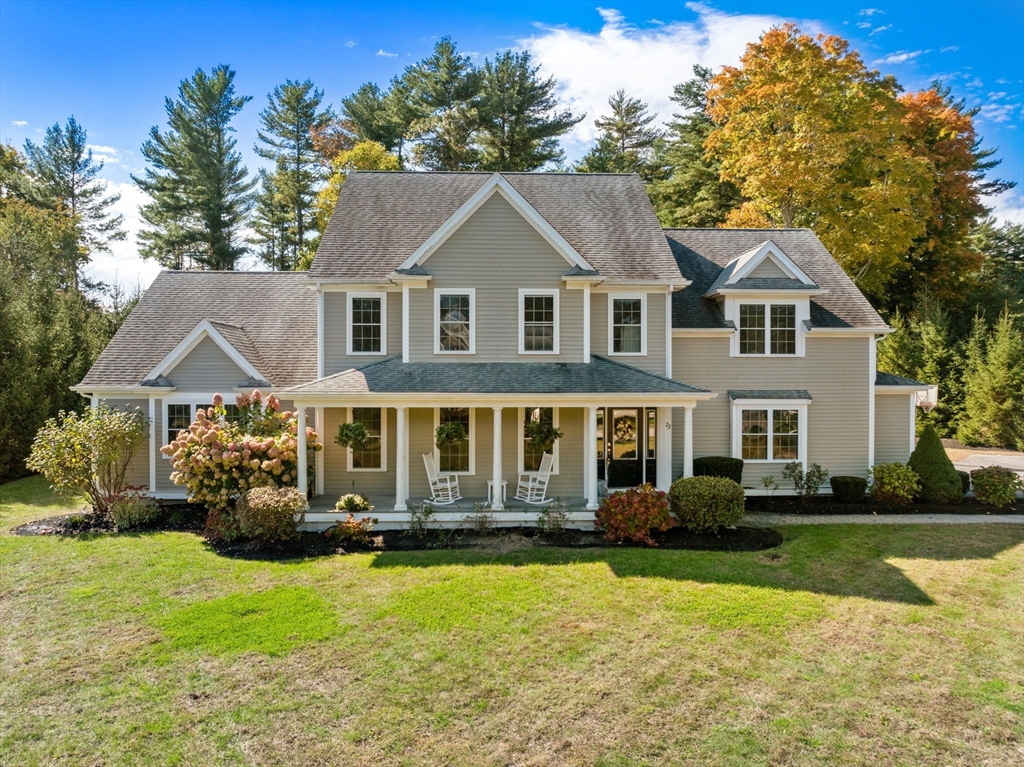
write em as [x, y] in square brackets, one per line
[846, 561]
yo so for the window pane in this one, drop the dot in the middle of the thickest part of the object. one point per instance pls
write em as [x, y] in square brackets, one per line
[754, 435]
[752, 331]
[652, 433]
[538, 323]
[600, 436]
[783, 329]
[785, 436]
[624, 434]
[455, 457]
[231, 414]
[179, 418]
[370, 456]
[755, 448]
[454, 312]
[627, 325]
[531, 455]
[366, 322]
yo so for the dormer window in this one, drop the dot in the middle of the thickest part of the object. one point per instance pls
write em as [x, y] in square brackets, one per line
[767, 329]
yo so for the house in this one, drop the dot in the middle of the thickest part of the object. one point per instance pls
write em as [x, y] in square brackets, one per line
[494, 299]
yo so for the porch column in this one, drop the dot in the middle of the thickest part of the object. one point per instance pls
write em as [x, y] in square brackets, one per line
[496, 504]
[664, 474]
[688, 439]
[300, 433]
[401, 459]
[319, 455]
[590, 453]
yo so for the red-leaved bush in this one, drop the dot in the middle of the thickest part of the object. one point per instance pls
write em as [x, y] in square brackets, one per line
[631, 515]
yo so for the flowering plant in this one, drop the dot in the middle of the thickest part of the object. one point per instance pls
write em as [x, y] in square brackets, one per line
[631, 515]
[217, 460]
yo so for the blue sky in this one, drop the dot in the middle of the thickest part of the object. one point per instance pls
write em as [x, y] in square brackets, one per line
[112, 64]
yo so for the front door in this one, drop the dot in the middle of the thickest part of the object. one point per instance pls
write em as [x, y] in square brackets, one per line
[626, 454]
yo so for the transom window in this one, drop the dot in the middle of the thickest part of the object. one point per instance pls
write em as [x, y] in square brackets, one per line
[454, 313]
[770, 434]
[530, 457]
[457, 457]
[369, 457]
[538, 321]
[774, 324]
[627, 325]
[366, 323]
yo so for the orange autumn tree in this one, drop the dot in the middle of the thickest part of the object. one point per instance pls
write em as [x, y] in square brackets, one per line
[813, 138]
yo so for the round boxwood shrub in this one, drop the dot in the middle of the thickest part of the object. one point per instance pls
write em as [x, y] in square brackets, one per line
[719, 466]
[705, 504]
[270, 513]
[848, 489]
[939, 480]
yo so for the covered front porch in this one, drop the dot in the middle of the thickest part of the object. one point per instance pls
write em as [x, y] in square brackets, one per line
[616, 424]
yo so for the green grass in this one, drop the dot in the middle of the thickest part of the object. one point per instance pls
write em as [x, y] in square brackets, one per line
[856, 645]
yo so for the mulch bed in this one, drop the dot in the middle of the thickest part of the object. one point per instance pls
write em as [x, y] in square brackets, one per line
[176, 517]
[826, 504]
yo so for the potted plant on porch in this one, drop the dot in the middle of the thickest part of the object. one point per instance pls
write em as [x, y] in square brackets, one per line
[542, 435]
[353, 435]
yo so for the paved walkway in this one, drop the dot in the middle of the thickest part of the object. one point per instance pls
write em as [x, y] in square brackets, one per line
[768, 519]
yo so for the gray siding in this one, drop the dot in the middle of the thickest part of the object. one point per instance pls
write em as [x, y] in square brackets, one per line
[892, 427]
[335, 327]
[654, 362]
[163, 463]
[835, 372]
[767, 268]
[206, 369]
[138, 468]
[497, 252]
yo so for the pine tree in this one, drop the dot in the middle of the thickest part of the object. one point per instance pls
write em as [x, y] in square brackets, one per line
[994, 399]
[939, 481]
[444, 88]
[201, 194]
[626, 143]
[274, 240]
[288, 125]
[899, 352]
[692, 192]
[519, 118]
[65, 174]
[939, 363]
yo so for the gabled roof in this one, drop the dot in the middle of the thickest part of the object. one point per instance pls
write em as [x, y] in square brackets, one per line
[702, 254]
[891, 379]
[736, 274]
[231, 340]
[392, 376]
[268, 317]
[383, 218]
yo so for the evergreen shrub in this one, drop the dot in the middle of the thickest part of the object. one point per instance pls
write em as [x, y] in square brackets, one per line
[719, 466]
[938, 477]
[704, 504]
[848, 489]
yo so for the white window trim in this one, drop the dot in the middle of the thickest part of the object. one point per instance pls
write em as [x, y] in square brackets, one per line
[802, 313]
[612, 298]
[521, 439]
[438, 292]
[472, 442]
[523, 293]
[383, 323]
[194, 401]
[800, 405]
[383, 444]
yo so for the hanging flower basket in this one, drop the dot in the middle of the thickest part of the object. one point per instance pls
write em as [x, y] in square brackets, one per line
[450, 433]
[542, 435]
[353, 435]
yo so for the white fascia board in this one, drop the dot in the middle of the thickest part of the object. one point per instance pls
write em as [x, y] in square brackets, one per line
[880, 389]
[749, 261]
[691, 332]
[849, 331]
[310, 399]
[496, 185]
[139, 392]
[204, 330]
[769, 402]
[766, 293]
[344, 287]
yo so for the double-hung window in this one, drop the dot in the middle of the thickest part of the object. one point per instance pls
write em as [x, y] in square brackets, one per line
[456, 458]
[767, 329]
[178, 416]
[770, 432]
[530, 456]
[627, 325]
[372, 456]
[538, 321]
[453, 321]
[367, 323]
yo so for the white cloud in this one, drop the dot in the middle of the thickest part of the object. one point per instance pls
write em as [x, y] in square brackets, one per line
[384, 53]
[19, 123]
[1002, 81]
[949, 49]
[870, 12]
[123, 264]
[107, 154]
[351, 44]
[1008, 206]
[879, 30]
[898, 57]
[647, 62]
[975, 83]
[863, 25]
[1000, 113]
[997, 95]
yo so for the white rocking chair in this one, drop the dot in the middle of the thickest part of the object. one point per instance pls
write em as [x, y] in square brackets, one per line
[444, 489]
[532, 488]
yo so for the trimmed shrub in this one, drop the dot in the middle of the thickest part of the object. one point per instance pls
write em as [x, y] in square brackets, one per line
[939, 480]
[719, 466]
[894, 483]
[352, 503]
[269, 513]
[133, 508]
[996, 486]
[705, 504]
[965, 480]
[848, 489]
[631, 515]
[352, 530]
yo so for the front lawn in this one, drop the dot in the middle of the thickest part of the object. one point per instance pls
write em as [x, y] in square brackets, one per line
[853, 645]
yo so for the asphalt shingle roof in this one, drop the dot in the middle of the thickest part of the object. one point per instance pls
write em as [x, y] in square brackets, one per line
[891, 379]
[703, 253]
[392, 376]
[382, 217]
[269, 317]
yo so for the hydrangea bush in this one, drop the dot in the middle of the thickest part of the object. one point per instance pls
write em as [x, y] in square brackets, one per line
[217, 461]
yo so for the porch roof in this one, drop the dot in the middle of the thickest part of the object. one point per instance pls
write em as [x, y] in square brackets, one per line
[391, 376]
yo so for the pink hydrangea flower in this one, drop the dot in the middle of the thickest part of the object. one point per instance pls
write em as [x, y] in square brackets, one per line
[218, 400]
[257, 395]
